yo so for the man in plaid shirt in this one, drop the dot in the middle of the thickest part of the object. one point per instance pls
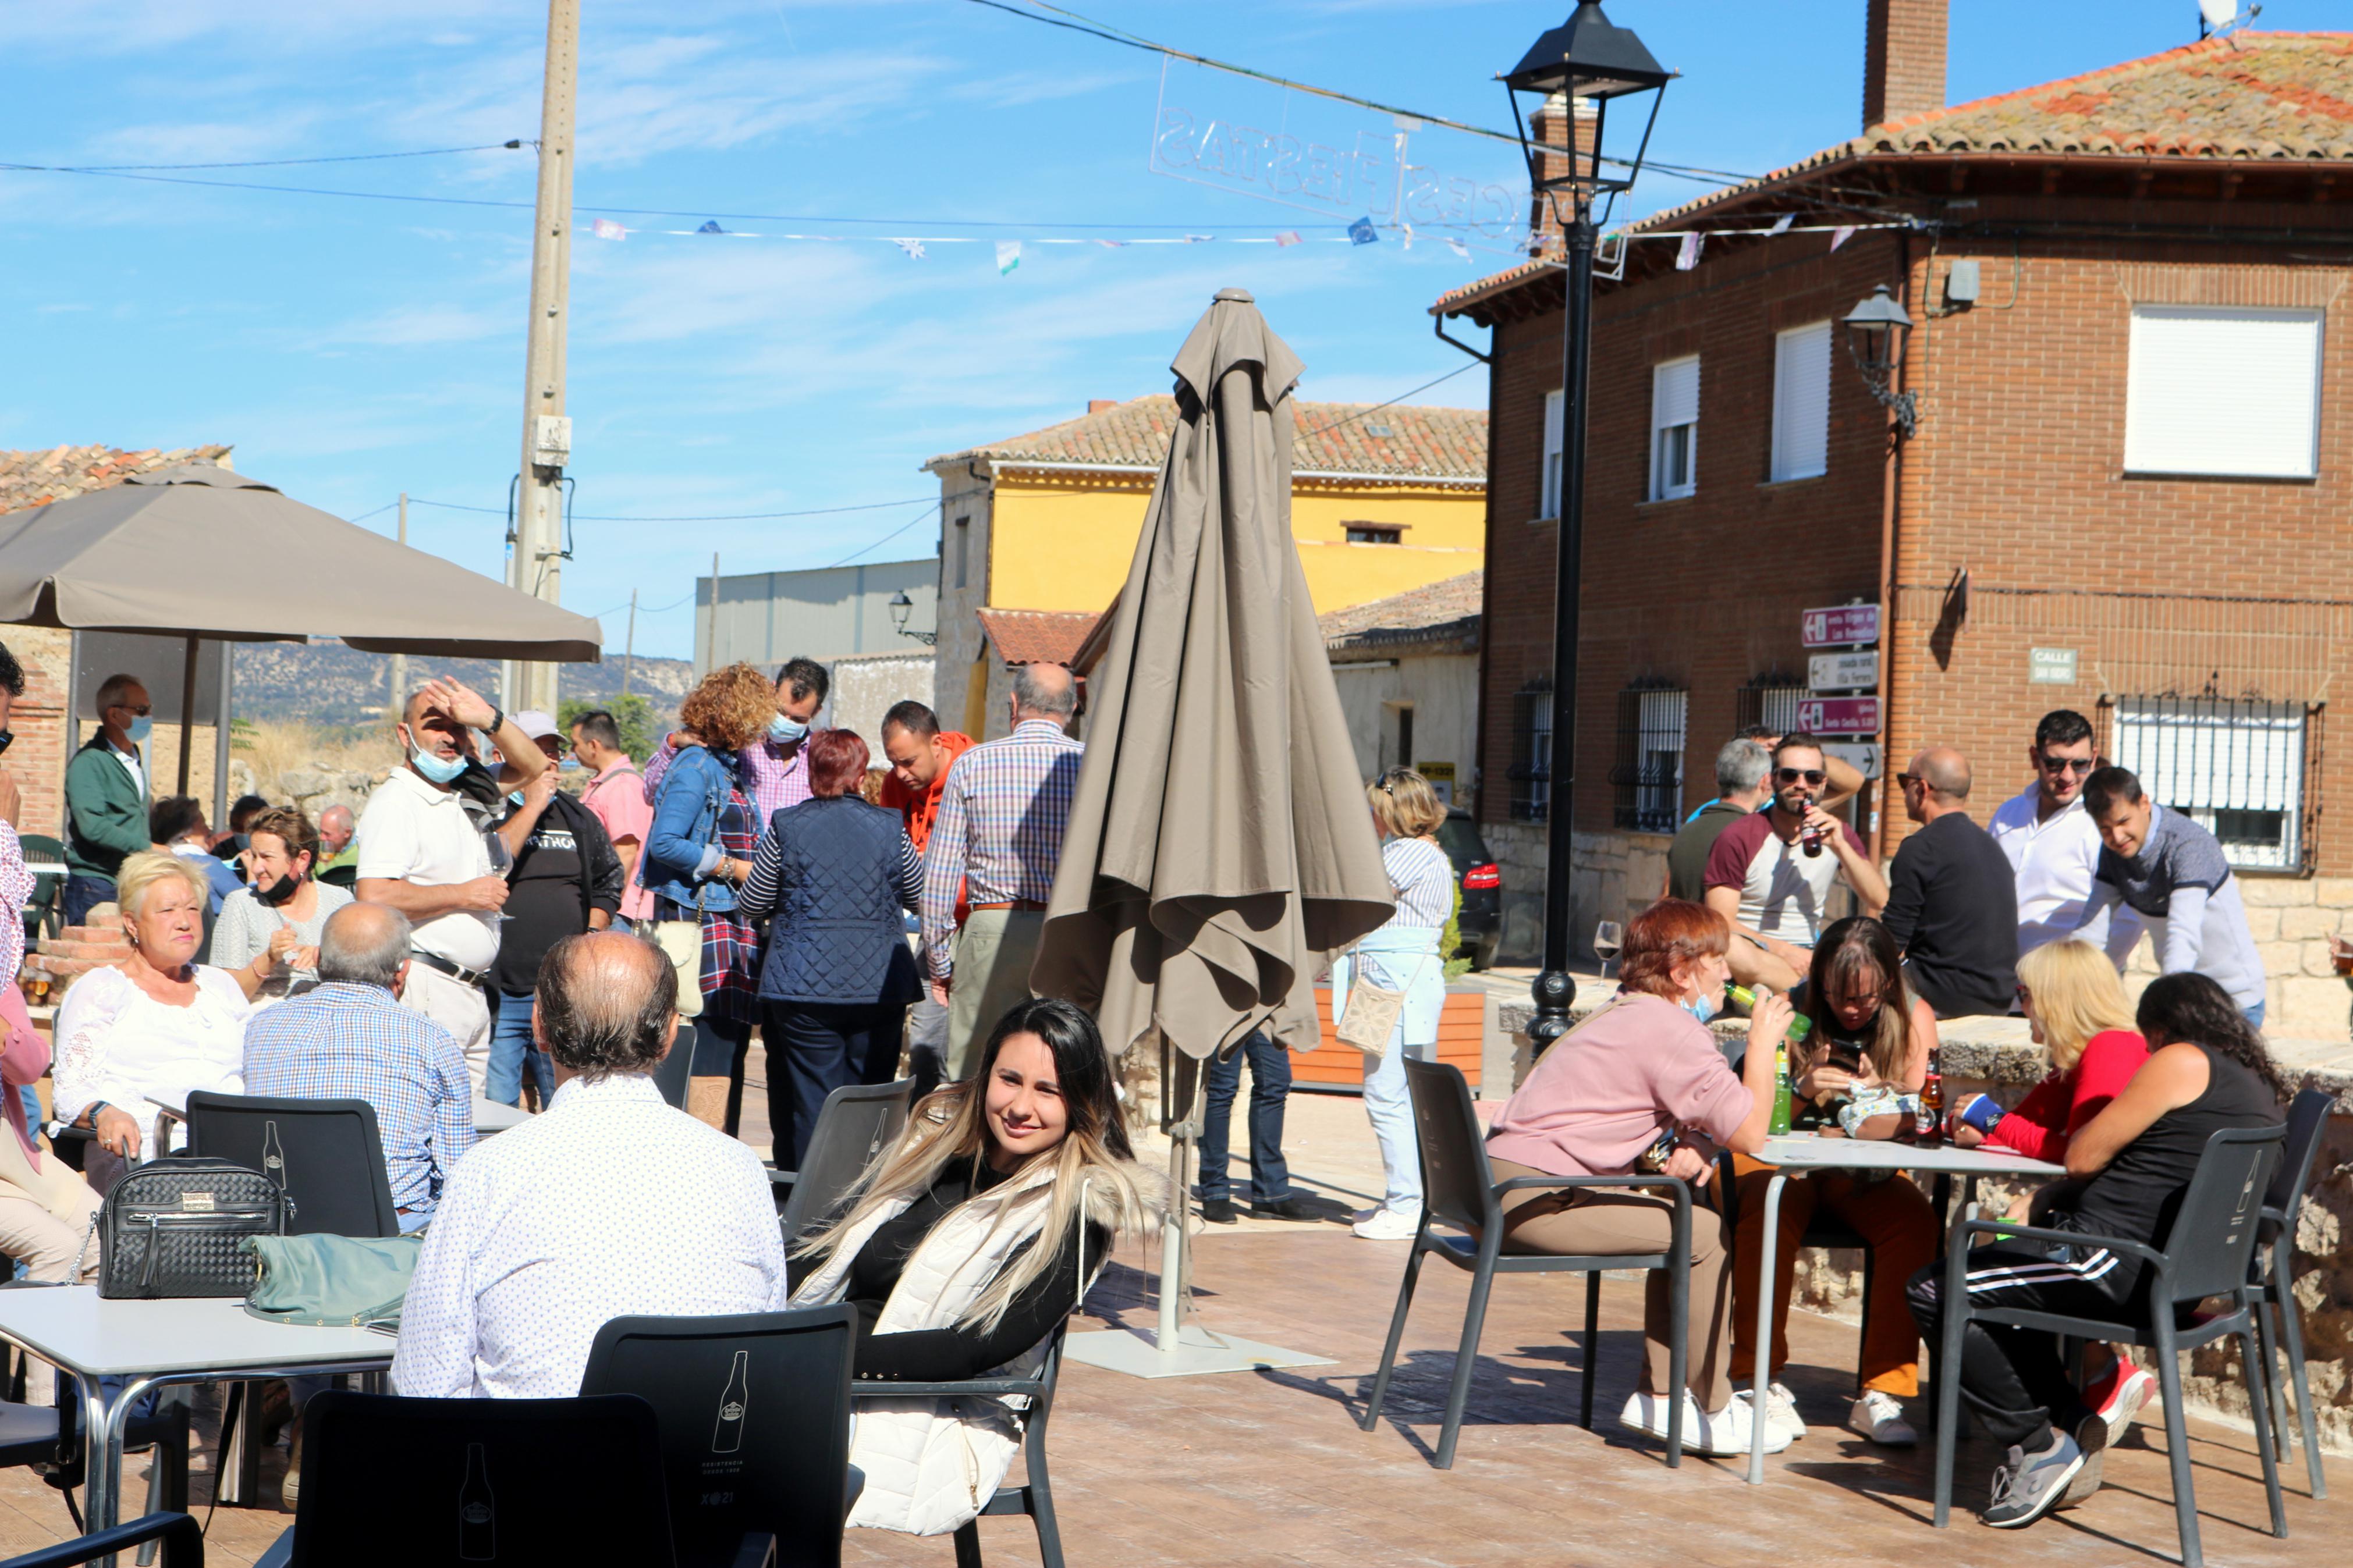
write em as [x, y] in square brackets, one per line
[998, 835]
[350, 1038]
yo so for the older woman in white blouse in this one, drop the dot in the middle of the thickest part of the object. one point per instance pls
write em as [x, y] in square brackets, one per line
[147, 1031]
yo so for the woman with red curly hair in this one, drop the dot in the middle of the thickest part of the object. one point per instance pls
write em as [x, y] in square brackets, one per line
[1604, 1096]
[838, 976]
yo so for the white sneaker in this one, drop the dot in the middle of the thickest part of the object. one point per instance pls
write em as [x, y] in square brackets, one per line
[1781, 1413]
[1879, 1417]
[1388, 1224]
[1723, 1435]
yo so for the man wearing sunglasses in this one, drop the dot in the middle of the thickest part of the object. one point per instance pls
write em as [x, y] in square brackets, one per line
[106, 797]
[1760, 875]
[1951, 903]
[2052, 844]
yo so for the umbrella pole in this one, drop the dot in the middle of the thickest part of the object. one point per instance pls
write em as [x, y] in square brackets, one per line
[187, 713]
[1176, 1254]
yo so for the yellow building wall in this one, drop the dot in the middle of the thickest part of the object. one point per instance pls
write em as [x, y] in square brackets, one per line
[1057, 543]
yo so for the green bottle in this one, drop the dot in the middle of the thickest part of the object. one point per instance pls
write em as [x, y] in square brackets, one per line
[1799, 1025]
[1779, 1126]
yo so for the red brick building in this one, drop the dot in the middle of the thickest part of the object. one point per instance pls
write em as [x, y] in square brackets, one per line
[2131, 474]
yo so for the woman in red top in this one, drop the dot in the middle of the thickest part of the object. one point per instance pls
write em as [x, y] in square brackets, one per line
[2078, 1012]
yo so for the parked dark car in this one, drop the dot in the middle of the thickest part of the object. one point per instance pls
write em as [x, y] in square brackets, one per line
[1481, 922]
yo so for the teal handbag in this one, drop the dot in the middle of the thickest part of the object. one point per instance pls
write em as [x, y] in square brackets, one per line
[332, 1281]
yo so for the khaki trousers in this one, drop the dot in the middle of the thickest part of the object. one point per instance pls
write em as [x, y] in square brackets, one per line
[993, 954]
[56, 1249]
[459, 1007]
[1565, 1223]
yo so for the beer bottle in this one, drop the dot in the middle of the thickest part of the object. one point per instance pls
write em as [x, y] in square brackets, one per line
[477, 1515]
[1932, 1102]
[728, 1436]
[1781, 1123]
[1798, 1022]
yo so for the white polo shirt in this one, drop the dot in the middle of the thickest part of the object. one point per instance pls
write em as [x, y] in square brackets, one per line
[2053, 859]
[412, 832]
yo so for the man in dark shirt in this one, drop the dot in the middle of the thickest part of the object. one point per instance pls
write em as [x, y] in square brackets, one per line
[1952, 900]
[566, 879]
[1740, 789]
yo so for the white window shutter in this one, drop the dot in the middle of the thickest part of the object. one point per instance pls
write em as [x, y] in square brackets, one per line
[1674, 394]
[1552, 448]
[1802, 402]
[2229, 392]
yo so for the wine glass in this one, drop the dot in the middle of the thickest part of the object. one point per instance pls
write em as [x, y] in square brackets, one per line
[501, 862]
[1609, 939]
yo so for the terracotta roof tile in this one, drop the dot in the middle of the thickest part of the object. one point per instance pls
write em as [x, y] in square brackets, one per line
[36, 478]
[1446, 611]
[1037, 636]
[1407, 442]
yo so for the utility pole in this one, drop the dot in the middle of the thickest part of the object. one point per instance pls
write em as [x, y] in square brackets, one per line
[397, 683]
[711, 642]
[536, 565]
[630, 649]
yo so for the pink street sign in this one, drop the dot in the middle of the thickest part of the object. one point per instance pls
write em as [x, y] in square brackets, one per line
[1841, 625]
[1839, 715]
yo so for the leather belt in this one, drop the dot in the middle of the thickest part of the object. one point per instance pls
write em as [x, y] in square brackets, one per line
[457, 972]
[1030, 906]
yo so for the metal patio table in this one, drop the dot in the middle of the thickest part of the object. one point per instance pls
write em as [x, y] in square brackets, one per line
[150, 1344]
[1795, 1154]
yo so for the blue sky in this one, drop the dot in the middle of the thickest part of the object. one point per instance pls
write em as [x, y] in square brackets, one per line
[351, 349]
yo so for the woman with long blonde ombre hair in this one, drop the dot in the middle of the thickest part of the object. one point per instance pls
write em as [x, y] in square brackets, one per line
[965, 1246]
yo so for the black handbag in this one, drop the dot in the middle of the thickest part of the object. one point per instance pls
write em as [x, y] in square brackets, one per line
[177, 1227]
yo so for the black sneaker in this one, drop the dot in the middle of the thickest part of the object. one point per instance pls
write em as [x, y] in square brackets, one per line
[1294, 1207]
[1219, 1211]
[2092, 1437]
[2031, 1484]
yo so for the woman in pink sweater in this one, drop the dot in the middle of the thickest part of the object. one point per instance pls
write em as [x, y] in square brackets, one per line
[1602, 1095]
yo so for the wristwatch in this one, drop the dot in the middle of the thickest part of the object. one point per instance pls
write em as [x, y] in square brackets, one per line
[497, 717]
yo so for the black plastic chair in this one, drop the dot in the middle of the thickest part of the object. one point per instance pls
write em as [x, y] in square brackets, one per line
[45, 909]
[754, 1412]
[182, 1537]
[2207, 1254]
[675, 1071]
[528, 1483]
[1034, 1496]
[1459, 1187]
[858, 1121]
[327, 1154]
[2274, 1280]
[345, 877]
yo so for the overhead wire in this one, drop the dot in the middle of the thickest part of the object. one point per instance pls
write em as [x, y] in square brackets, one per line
[706, 517]
[282, 163]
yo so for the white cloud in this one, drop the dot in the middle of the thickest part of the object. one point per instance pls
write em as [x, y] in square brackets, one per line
[420, 325]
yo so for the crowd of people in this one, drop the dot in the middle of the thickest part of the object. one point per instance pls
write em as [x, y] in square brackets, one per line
[506, 938]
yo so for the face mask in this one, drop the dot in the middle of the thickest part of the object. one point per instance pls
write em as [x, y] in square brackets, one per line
[438, 769]
[139, 728]
[784, 729]
[515, 796]
[1703, 1008]
[570, 764]
[279, 891]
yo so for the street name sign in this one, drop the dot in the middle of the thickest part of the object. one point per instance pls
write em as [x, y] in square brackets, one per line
[1839, 715]
[2051, 667]
[1843, 671]
[1841, 625]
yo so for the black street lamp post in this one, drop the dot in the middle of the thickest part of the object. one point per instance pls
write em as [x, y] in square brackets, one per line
[1876, 330]
[1584, 60]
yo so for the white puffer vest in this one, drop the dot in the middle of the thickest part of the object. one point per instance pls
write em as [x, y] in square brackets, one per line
[931, 1465]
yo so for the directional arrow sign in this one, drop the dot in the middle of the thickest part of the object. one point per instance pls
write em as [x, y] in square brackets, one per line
[1841, 625]
[1843, 671]
[1839, 715]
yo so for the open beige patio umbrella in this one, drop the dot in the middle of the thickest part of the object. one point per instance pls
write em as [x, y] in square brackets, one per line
[178, 552]
[1219, 841]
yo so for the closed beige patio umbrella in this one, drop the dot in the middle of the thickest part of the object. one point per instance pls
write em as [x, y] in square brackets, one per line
[1219, 841]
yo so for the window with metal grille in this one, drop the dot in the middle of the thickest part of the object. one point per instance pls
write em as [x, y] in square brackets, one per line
[1648, 782]
[1375, 532]
[2244, 770]
[1531, 770]
[1768, 700]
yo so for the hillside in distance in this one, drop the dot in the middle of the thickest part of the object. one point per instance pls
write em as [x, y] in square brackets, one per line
[329, 684]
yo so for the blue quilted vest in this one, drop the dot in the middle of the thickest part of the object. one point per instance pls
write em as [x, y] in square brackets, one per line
[836, 935]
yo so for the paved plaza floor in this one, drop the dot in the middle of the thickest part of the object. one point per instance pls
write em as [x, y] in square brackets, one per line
[1271, 1467]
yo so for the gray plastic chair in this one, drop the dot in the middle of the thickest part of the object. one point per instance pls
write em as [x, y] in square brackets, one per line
[858, 1121]
[2208, 1254]
[1459, 1186]
[2274, 1280]
[183, 1540]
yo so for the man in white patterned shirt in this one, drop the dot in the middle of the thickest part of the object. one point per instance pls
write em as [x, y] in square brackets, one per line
[542, 1238]
[998, 835]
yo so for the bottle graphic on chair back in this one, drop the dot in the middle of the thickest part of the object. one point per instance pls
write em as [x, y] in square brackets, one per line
[273, 1158]
[727, 1436]
[478, 1539]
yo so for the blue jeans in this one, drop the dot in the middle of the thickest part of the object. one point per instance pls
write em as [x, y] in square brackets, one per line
[511, 1046]
[2255, 1013]
[81, 894]
[1270, 1066]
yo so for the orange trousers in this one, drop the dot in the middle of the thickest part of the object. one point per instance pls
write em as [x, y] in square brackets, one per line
[1892, 1215]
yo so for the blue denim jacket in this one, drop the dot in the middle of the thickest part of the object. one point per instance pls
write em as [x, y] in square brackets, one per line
[682, 845]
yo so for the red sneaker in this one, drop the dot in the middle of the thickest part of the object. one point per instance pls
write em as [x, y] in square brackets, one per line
[2117, 1395]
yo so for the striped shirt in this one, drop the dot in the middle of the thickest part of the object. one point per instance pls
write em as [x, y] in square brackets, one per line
[347, 1041]
[1424, 880]
[1003, 815]
[772, 778]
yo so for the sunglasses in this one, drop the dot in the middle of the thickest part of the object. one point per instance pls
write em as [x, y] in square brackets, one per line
[2077, 766]
[1905, 781]
[8, 739]
[1794, 775]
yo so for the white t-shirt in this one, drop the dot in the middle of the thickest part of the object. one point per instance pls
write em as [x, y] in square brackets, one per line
[412, 832]
[2053, 859]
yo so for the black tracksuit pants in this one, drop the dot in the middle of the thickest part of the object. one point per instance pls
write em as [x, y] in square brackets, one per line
[2013, 1378]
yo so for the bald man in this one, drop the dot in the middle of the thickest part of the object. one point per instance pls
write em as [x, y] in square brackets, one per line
[336, 825]
[998, 837]
[538, 1244]
[1952, 902]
